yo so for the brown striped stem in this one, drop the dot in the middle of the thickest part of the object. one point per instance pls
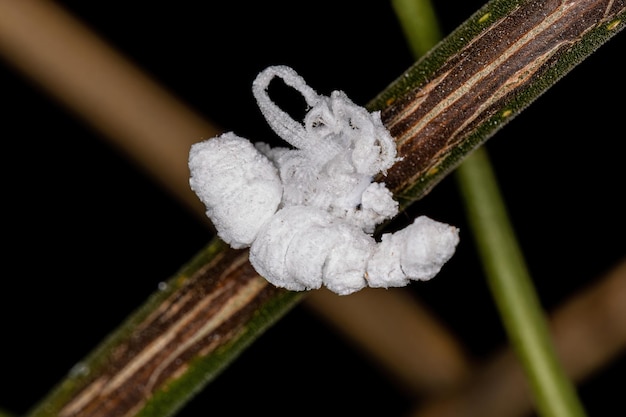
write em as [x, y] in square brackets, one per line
[482, 75]
[176, 342]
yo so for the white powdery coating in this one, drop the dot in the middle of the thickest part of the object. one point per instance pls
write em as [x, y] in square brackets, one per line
[377, 205]
[339, 148]
[308, 212]
[301, 248]
[239, 186]
[416, 252]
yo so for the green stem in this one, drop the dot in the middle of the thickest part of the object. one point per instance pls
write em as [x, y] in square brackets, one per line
[502, 259]
[418, 16]
[512, 288]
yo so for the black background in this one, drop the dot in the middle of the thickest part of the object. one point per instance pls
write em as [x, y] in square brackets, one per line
[87, 236]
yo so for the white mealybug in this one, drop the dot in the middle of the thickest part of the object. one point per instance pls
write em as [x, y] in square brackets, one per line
[307, 213]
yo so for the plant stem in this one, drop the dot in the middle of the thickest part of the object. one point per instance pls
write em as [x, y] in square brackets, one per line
[419, 24]
[502, 259]
[512, 288]
[480, 77]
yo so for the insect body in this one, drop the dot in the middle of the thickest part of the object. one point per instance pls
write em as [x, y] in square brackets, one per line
[307, 212]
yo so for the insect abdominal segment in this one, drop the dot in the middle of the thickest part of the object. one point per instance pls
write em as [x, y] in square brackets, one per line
[303, 248]
[308, 213]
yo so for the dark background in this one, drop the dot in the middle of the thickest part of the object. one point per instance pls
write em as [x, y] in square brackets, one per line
[87, 236]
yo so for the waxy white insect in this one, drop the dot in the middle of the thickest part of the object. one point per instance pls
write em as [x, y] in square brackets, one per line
[307, 213]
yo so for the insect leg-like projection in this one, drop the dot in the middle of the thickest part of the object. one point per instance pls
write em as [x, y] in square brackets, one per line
[307, 212]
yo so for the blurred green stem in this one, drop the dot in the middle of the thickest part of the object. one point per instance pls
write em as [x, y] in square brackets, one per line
[504, 264]
[419, 24]
[512, 289]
